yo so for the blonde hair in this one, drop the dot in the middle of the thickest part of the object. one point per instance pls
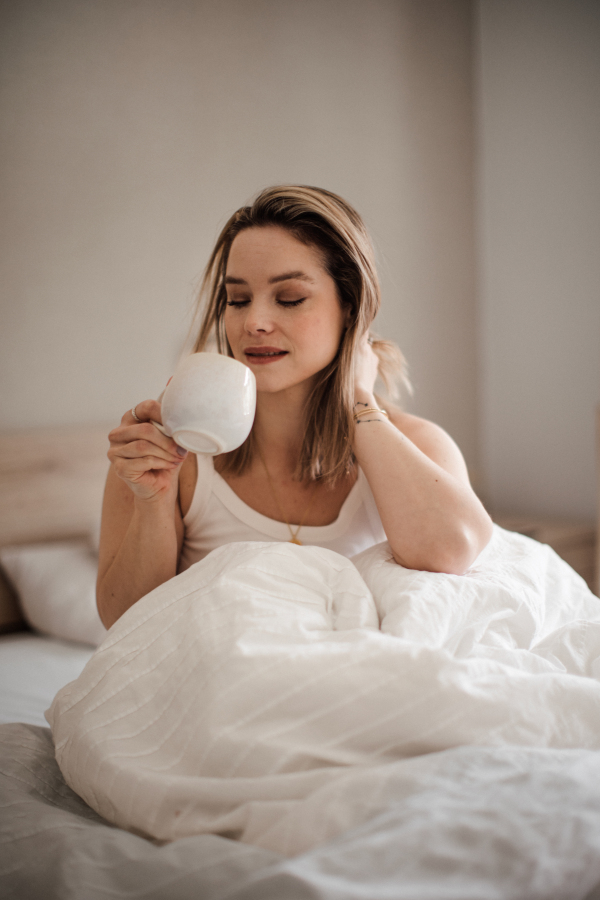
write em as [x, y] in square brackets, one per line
[322, 220]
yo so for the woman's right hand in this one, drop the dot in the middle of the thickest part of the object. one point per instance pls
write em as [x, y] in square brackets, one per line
[144, 458]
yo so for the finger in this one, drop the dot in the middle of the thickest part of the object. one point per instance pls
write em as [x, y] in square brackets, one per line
[134, 469]
[123, 434]
[126, 434]
[134, 449]
[145, 411]
[130, 452]
[141, 449]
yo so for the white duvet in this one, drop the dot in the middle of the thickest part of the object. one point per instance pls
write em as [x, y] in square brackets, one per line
[283, 695]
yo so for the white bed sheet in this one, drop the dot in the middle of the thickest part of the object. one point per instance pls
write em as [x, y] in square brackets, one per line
[33, 668]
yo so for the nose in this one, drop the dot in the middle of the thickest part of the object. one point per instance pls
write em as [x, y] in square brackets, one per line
[258, 318]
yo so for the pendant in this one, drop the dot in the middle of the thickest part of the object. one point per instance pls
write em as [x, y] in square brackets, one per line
[295, 540]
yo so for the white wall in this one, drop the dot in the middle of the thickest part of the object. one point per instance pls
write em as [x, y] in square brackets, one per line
[132, 130]
[539, 202]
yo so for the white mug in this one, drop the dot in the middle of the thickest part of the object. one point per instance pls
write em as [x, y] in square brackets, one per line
[209, 404]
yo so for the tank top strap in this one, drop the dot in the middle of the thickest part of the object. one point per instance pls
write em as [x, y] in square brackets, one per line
[203, 489]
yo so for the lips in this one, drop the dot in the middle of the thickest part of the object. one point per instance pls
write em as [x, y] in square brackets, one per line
[259, 353]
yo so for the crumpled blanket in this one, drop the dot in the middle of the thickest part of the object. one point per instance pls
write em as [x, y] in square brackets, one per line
[273, 693]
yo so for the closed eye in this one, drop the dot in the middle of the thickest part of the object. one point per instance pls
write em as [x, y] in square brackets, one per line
[285, 303]
[291, 302]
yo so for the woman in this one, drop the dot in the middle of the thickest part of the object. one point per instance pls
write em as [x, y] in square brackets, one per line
[292, 292]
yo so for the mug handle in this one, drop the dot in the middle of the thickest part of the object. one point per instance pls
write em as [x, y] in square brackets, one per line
[160, 427]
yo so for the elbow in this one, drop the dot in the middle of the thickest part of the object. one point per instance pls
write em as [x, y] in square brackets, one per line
[452, 554]
[470, 542]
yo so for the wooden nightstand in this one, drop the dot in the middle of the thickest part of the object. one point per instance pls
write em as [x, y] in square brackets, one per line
[575, 542]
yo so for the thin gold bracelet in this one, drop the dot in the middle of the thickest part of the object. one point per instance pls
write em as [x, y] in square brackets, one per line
[371, 409]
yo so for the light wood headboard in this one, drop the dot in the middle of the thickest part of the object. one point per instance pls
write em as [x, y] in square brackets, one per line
[51, 482]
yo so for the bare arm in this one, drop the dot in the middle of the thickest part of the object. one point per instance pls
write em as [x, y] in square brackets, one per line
[142, 528]
[432, 518]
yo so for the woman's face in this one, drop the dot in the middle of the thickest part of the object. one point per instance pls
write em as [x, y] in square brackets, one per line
[283, 318]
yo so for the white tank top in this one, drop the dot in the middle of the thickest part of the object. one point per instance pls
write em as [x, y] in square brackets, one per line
[217, 516]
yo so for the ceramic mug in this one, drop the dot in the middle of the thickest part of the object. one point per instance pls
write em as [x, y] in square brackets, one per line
[209, 404]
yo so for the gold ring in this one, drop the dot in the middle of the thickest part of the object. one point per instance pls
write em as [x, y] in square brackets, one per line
[135, 416]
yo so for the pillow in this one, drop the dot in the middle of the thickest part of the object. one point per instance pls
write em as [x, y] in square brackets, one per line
[56, 586]
[11, 617]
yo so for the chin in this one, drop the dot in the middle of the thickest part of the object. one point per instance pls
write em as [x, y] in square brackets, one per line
[275, 380]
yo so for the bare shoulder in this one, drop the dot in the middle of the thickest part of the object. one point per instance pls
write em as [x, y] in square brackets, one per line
[432, 440]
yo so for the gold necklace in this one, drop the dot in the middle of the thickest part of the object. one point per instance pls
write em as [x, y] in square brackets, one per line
[294, 534]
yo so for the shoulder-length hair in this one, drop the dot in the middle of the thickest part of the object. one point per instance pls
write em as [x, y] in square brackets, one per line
[322, 220]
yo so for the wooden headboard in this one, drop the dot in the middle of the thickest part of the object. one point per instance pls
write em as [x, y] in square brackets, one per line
[51, 482]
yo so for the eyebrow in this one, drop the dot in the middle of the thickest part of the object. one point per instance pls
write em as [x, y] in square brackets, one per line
[287, 276]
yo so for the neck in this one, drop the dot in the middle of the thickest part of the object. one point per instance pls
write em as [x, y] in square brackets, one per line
[279, 429]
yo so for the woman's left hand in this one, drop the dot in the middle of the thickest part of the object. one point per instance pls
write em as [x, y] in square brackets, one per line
[366, 365]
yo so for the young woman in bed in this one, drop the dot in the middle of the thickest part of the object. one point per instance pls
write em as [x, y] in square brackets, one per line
[292, 291]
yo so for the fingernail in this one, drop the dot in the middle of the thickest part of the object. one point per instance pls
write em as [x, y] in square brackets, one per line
[181, 451]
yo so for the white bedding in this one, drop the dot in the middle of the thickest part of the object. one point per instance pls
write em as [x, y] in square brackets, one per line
[267, 694]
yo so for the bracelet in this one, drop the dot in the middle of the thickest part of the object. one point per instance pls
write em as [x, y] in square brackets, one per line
[371, 409]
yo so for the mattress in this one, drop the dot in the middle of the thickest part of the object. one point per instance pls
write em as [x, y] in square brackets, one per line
[33, 668]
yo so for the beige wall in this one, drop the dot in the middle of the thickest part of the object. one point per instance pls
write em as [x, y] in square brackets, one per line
[132, 130]
[539, 202]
